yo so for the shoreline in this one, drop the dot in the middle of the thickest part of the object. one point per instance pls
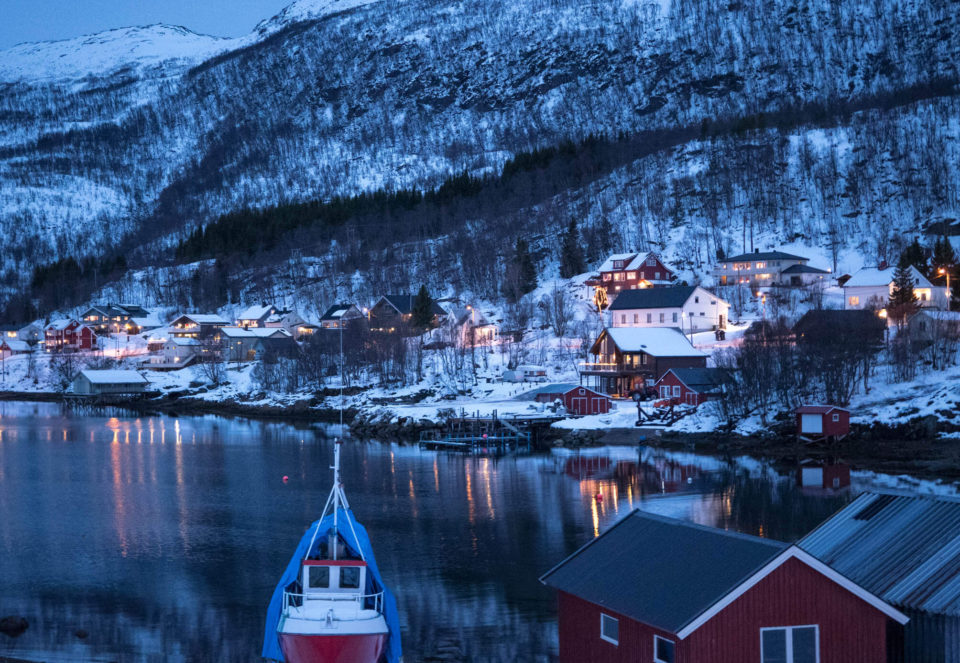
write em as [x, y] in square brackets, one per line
[912, 448]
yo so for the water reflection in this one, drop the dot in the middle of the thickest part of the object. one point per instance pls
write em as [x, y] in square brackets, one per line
[163, 537]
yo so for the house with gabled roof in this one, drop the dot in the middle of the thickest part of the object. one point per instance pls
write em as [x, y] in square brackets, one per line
[14, 346]
[689, 308]
[576, 399]
[240, 343]
[68, 334]
[340, 315]
[693, 385]
[394, 312]
[663, 590]
[631, 359]
[760, 268]
[904, 548]
[103, 382]
[197, 325]
[871, 287]
[256, 315]
[628, 271]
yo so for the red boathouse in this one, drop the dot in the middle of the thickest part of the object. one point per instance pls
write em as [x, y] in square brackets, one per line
[576, 399]
[821, 423]
[662, 590]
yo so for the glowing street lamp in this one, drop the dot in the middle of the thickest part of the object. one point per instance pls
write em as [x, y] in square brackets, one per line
[943, 271]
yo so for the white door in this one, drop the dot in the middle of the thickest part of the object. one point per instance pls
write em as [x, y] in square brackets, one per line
[811, 423]
[811, 477]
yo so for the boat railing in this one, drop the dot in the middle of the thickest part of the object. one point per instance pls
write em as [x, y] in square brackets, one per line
[293, 599]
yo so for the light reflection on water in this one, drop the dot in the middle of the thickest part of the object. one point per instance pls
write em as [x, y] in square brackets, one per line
[163, 537]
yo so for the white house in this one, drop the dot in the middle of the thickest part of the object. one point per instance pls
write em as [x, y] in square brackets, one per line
[871, 287]
[688, 308]
[759, 268]
[175, 353]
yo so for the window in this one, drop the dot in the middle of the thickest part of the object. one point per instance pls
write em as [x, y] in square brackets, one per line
[623, 318]
[836, 417]
[606, 276]
[676, 391]
[631, 276]
[702, 314]
[663, 650]
[674, 316]
[618, 276]
[636, 318]
[854, 301]
[661, 317]
[643, 358]
[656, 275]
[581, 392]
[696, 300]
[664, 391]
[649, 318]
[651, 262]
[618, 264]
[790, 644]
[760, 265]
[609, 628]
[319, 577]
[349, 577]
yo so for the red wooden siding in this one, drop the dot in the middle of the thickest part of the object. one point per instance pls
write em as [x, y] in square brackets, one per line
[851, 631]
[832, 428]
[687, 396]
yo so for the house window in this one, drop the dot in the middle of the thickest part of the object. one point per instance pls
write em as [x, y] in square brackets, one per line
[649, 318]
[636, 318]
[609, 628]
[663, 650]
[643, 358]
[674, 316]
[606, 276]
[696, 300]
[854, 301]
[661, 317]
[664, 391]
[631, 276]
[656, 275]
[836, 418]
[676, 391]
[790, 644]
[651, 262]
[702, 314]
[623, 318]
[581, 392]
[761, 265]
[618, 276]
[618, 264]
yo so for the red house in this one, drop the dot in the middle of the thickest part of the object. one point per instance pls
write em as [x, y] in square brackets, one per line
[692, 386]
[822, 423]
[576, 399]
[629, 271]
[660, 590]
[68, 334]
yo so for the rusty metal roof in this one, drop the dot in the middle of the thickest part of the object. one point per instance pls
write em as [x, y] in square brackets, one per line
[903, 548]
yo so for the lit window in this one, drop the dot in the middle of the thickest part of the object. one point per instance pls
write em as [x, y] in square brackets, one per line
[790, 644]
[663, 650]
[854, 301]
[609, 628]
[631, 276]
[760, 265]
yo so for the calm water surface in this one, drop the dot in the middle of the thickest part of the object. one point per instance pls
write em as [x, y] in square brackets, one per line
[163, 537]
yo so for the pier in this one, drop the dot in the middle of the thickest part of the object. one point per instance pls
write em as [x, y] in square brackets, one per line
[488, 434]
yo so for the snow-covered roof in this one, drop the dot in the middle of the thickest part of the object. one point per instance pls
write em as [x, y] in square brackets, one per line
[763, 255]
[256, 312]
[150, 321]
[254, 332]
[113, 377]
[205, 318]
[871, 277]
[654, 341]
[942, 316]
[60, 324]
[15, 345]
[607, 265]
[184, 341]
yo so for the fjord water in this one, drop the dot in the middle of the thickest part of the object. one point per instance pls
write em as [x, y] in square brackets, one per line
[163, 537]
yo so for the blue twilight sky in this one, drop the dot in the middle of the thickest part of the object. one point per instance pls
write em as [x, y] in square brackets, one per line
[42, 20]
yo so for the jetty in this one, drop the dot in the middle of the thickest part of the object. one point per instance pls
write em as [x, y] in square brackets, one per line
[488, 434]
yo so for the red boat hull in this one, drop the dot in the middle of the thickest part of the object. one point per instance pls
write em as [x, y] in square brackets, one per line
[365, 648]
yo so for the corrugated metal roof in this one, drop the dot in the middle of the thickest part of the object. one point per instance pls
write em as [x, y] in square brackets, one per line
[905, 549]
[763, 255]
[661, 571]
[673, 297]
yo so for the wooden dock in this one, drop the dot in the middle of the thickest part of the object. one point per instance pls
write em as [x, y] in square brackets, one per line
[481, 434]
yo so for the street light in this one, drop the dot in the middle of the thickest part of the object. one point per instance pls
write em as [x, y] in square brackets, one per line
[946, 272]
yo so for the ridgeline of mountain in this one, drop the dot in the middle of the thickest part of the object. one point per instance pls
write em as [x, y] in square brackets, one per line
[828, 122]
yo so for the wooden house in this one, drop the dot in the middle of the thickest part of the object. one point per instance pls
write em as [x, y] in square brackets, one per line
[9, 331]
[393, 313]
[240, 344]
[525, 373]
[68, 334]
[688, 308]
[107, 319]
[14, 346]
[760, 268]
[256, 316]
[630, 359]
[471, 326]
[630, 271]
[31, 333]
[927, 326]
[871, 287]
[575, 398]
[692, 386]
[904, 549]
[661, 590]
[822, 423]
[96, 383]
[200, 326]
[174, 354]
[829, 326]
[340, 315]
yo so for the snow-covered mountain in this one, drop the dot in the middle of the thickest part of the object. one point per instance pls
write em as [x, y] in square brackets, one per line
[795, 118]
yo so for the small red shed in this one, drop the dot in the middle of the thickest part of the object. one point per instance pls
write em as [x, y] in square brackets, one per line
[823, 477]
[662, 590]
[822, 423]
[576, 399]
[692, 386]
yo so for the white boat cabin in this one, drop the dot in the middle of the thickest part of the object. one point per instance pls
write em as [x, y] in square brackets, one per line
[334, 576]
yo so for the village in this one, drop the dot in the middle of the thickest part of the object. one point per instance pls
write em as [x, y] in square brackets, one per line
[629, 344]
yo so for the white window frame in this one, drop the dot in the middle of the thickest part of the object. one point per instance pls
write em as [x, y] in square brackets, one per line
[660, 660]
[604, 636]
[676, 391]
[789, 639]
[836, 418]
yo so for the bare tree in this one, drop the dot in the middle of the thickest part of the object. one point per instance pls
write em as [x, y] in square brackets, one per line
[64, 367]
[556, 309]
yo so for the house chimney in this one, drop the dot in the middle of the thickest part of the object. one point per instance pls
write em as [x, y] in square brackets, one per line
[756, 250]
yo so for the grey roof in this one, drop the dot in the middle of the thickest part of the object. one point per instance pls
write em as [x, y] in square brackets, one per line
[404, 304]
[702, 379]
[763, 255]
[555, 388]
[338, 311]
[674, 297]
[903, 548]
[804, 269]
[661, 571]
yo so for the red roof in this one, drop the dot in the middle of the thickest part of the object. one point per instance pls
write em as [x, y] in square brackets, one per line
[819, 409]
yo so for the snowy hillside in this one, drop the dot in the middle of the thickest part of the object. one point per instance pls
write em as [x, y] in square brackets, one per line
[791, 121]
[102, 54]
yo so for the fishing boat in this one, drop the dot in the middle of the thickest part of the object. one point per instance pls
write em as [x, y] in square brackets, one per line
[331, 605]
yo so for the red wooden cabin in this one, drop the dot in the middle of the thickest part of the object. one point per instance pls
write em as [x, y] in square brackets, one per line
[68, 334]
[691, 386]
[660, 590]
[822, 423]
[576, 399]
[629, 271]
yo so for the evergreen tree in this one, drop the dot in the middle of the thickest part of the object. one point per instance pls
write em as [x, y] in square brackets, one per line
[527, 270]
[421, 314]
[914, 255]
[903, 300]
[571, 256]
